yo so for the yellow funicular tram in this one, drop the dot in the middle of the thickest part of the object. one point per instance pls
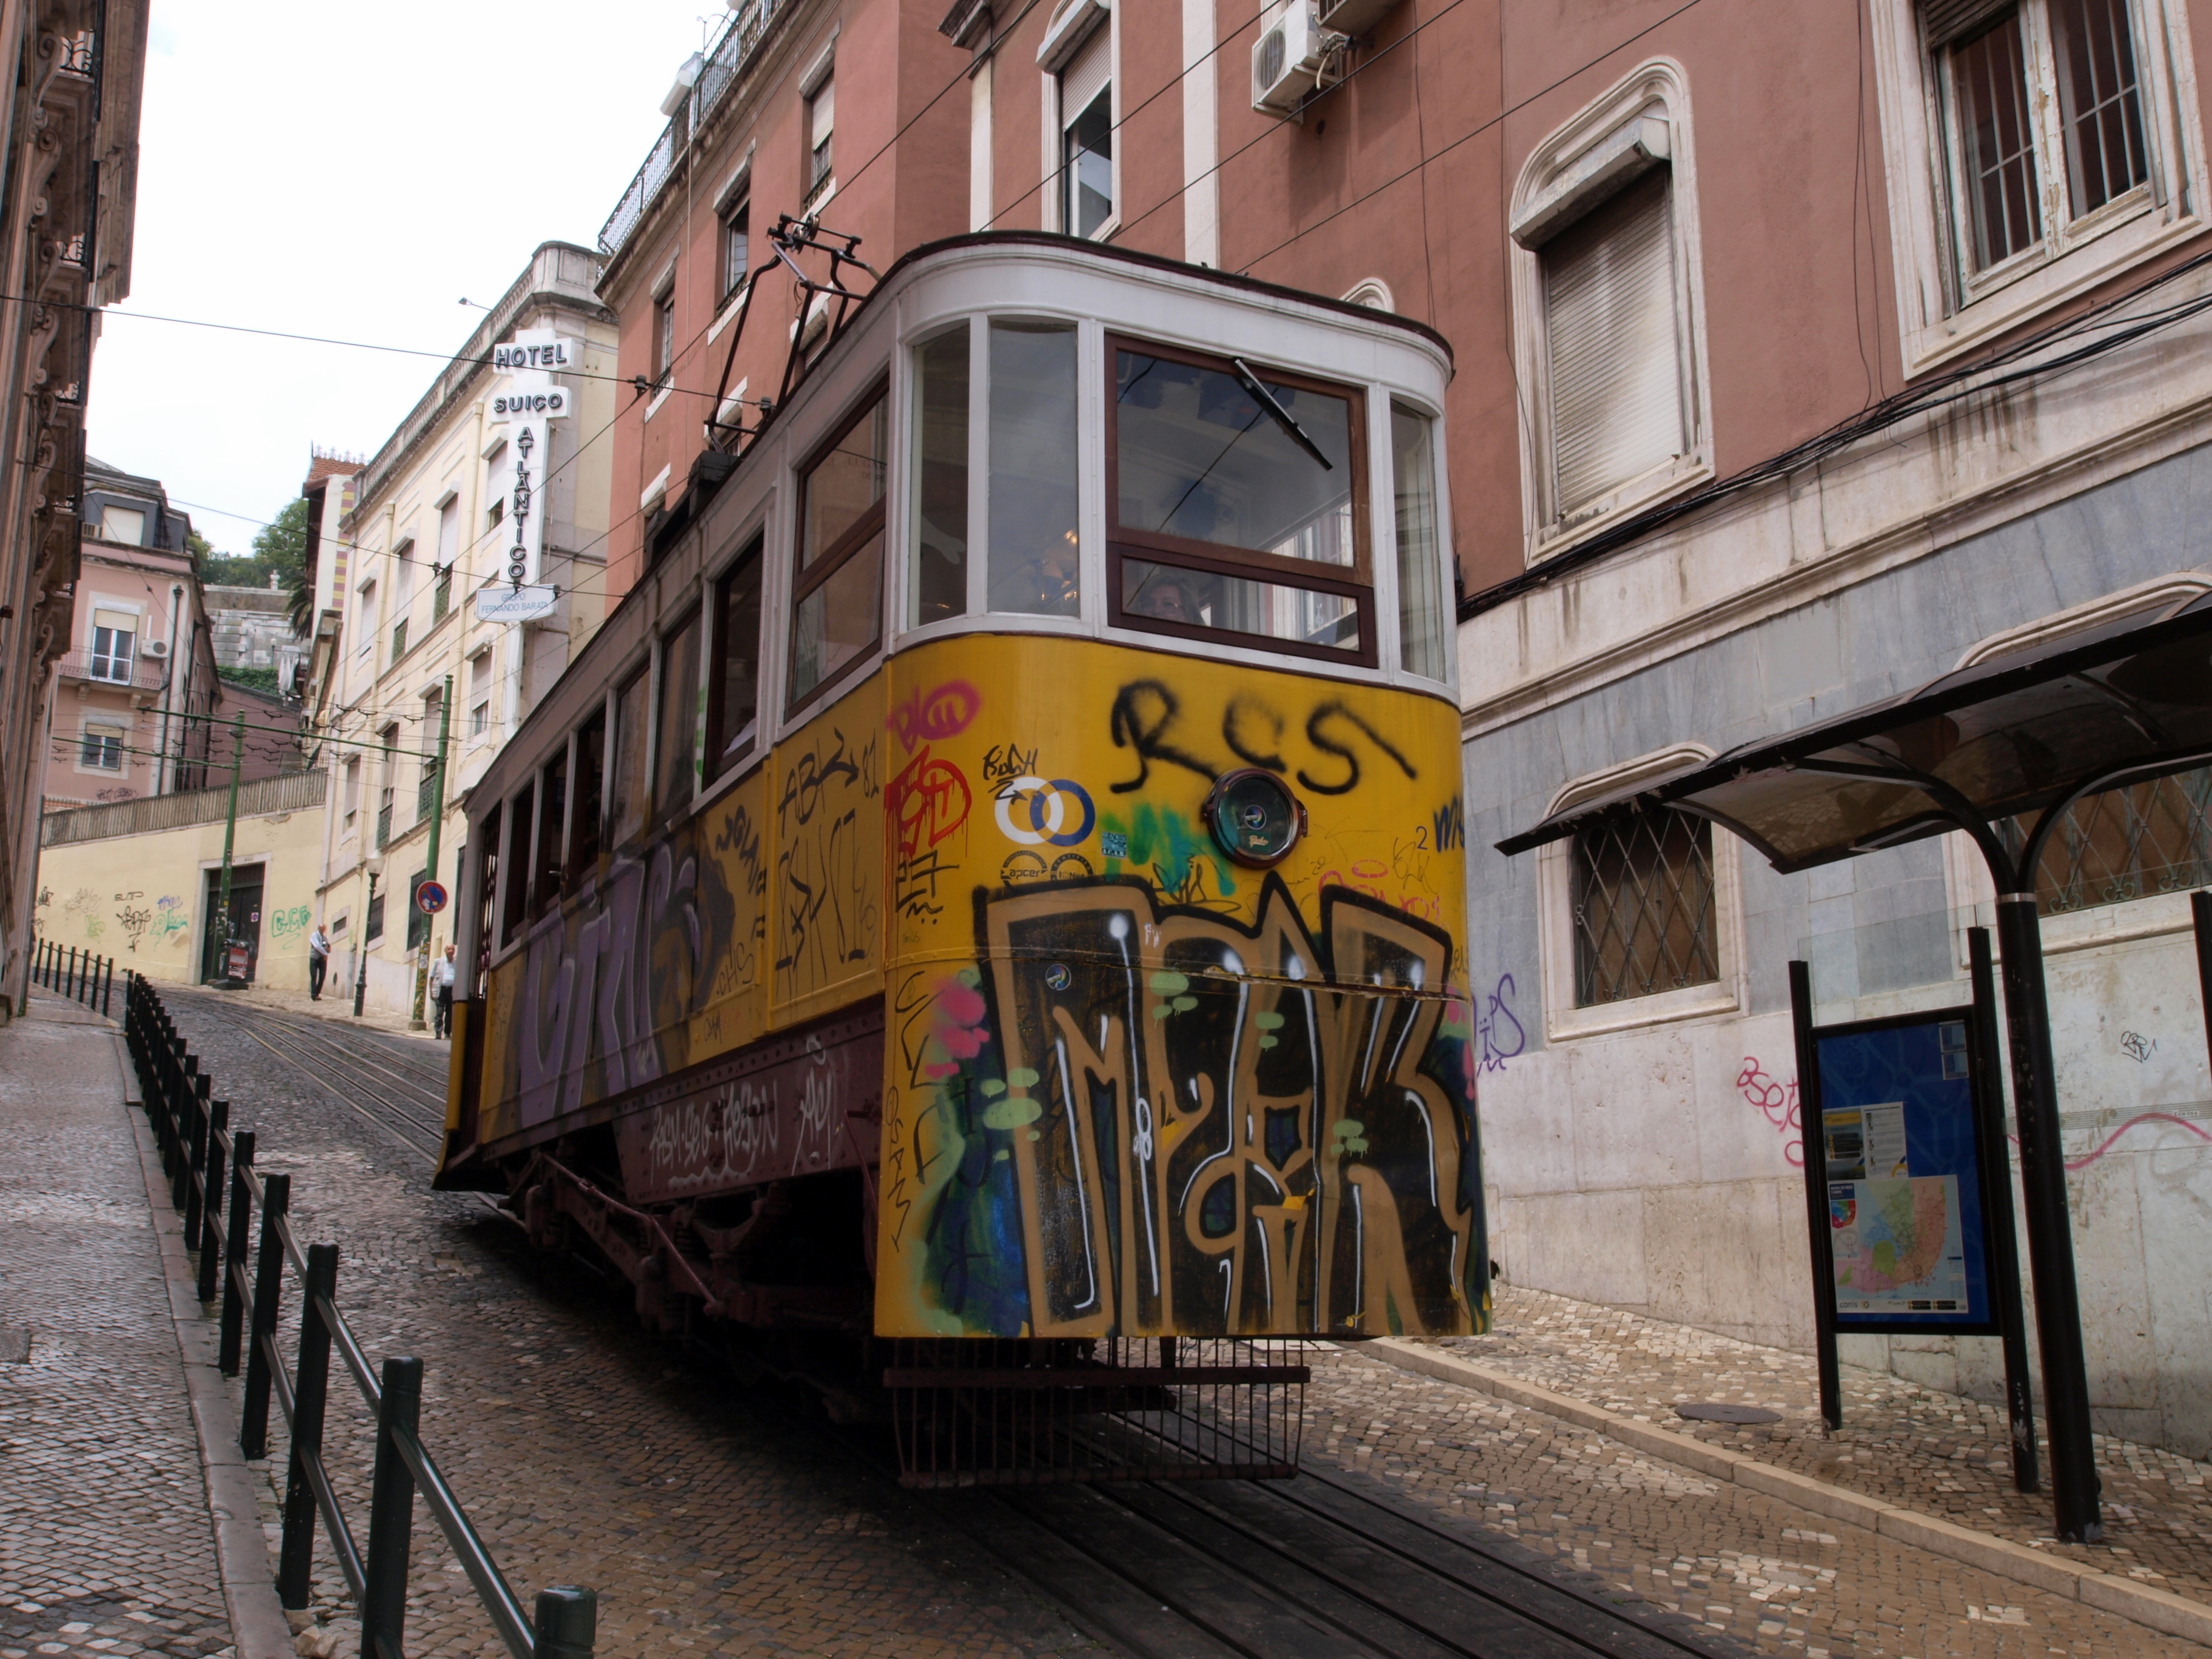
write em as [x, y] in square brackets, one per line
[980, 927]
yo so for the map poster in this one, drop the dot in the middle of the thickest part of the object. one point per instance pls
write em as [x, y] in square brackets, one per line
[1900, 1158]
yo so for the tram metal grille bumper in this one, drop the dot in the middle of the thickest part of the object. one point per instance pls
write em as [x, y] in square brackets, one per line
[986, 1412]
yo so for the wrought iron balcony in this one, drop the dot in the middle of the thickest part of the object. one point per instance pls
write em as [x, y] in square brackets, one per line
[384, 826]
[123, 672]
[748, 27]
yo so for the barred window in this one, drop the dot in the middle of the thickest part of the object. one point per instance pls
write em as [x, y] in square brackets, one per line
[2131, 843]
[1644, 905]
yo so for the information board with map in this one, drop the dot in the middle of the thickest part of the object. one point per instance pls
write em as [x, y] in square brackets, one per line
[1898, 1154]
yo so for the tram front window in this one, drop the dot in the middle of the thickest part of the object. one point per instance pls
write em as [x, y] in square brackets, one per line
[940, 442]
[1238, 504]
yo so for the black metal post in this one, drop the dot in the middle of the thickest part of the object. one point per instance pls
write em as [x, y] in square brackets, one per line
[296, 1558]
[196, 1167]
[191, 1125]
[239, 1235]
[2074, 1486]
[567, 1622]
[1816, 1194]
[69, 985]
[211, 1206]
[261, 1327]
[1996, 1200]
[2200, 907]
[107, 991]
[390, 1513]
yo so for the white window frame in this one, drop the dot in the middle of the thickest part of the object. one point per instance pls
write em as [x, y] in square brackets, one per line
[1073, 24]
[118, 726]
[1657, 90]
[1942, 313]
[1555, 920]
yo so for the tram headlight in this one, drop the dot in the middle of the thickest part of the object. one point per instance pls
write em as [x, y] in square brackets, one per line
[1255, 817]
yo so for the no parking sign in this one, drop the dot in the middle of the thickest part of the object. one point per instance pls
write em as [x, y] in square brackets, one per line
[430, 897]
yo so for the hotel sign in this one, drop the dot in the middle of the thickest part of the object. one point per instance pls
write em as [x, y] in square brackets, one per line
[530, 398]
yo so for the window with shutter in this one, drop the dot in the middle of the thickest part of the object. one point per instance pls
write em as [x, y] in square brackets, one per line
[1615, 359]
[1086, 147]
[1607, 321]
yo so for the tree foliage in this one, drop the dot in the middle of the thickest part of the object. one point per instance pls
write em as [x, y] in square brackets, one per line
[280, 550]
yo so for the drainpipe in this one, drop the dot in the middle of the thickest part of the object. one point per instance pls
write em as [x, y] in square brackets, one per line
[168, 692]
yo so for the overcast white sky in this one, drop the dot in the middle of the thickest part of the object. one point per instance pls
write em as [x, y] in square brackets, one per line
[351, 172]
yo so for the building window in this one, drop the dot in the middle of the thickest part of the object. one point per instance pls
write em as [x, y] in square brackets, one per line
[368, 612]
[350, 796]
[372, 926]
[1644, 917]
[733, 719]
[114, 645]
[495, 485]
[1239, 510]
[821, 123]
[480, 693]
[441, 596]
[426, 783]
[2124, 844]
[389, 738]
[2044, 124]
[2033, 149]
[1605, 312]
[1086, 136]
[124, 524]
[737, 223]
[836, 607]
[664, 337]
[102, 748]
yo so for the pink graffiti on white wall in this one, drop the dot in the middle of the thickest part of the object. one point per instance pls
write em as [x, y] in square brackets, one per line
[1778, 1102]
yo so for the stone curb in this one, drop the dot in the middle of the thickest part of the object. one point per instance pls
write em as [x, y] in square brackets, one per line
[257, 1625]
[2161, 1610]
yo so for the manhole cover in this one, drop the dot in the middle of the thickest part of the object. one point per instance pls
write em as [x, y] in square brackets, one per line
[15, 1344]
[1715, 1410]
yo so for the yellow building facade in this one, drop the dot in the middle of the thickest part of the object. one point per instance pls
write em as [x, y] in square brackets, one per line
[428, 635]
[139, 880]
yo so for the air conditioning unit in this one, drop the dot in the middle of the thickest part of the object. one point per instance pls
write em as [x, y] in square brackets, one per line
[156, 648]
[1353, 18]
[1290, 60]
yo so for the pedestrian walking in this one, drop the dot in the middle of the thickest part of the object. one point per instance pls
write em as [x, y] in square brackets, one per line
[319, 961]
[441, 993]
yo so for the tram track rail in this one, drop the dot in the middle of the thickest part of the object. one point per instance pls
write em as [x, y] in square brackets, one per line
[406, 1098]
[1326, 1565]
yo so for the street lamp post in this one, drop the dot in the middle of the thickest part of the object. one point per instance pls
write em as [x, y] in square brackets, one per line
[360, 956]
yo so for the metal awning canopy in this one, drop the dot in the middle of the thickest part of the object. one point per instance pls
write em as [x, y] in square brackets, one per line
[2026, 732]
[2002, 746]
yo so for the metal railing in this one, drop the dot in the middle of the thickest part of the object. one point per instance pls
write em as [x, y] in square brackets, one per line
[747, 27]
[198, 1147]
[118, 669]
[79, 976]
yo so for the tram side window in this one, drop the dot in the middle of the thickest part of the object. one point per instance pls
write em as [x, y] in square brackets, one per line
[552, 817]
[940, 470]
[1239, 505]
[734, 718]
[584, 834]
[512, 909]
[488, 890]
[1421, 628]
[837, 601]
[1035, 549]
[630, 757]
[679, 716]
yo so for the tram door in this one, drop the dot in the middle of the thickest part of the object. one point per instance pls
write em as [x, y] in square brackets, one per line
[241, 930]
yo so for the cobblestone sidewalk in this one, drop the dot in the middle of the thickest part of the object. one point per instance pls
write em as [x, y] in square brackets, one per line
[1938, 1453]
[106, 1545]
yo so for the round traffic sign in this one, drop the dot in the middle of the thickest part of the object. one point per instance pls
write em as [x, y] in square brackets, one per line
[430, 897]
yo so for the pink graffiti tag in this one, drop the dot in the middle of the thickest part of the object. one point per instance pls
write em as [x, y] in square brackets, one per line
[1778, 1102]
[932, 716]
[2106, 1145]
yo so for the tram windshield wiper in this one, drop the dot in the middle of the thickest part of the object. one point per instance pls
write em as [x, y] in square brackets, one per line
[1277, 413]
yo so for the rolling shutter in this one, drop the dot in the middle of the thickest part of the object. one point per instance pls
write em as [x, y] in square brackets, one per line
[1086, 74]
[1944, 21]
[1616, 388]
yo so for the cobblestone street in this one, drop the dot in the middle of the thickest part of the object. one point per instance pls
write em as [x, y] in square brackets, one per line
[724, 1520]
[105, 1539]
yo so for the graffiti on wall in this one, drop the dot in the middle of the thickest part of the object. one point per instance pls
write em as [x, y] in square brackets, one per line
[1778, 1102]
